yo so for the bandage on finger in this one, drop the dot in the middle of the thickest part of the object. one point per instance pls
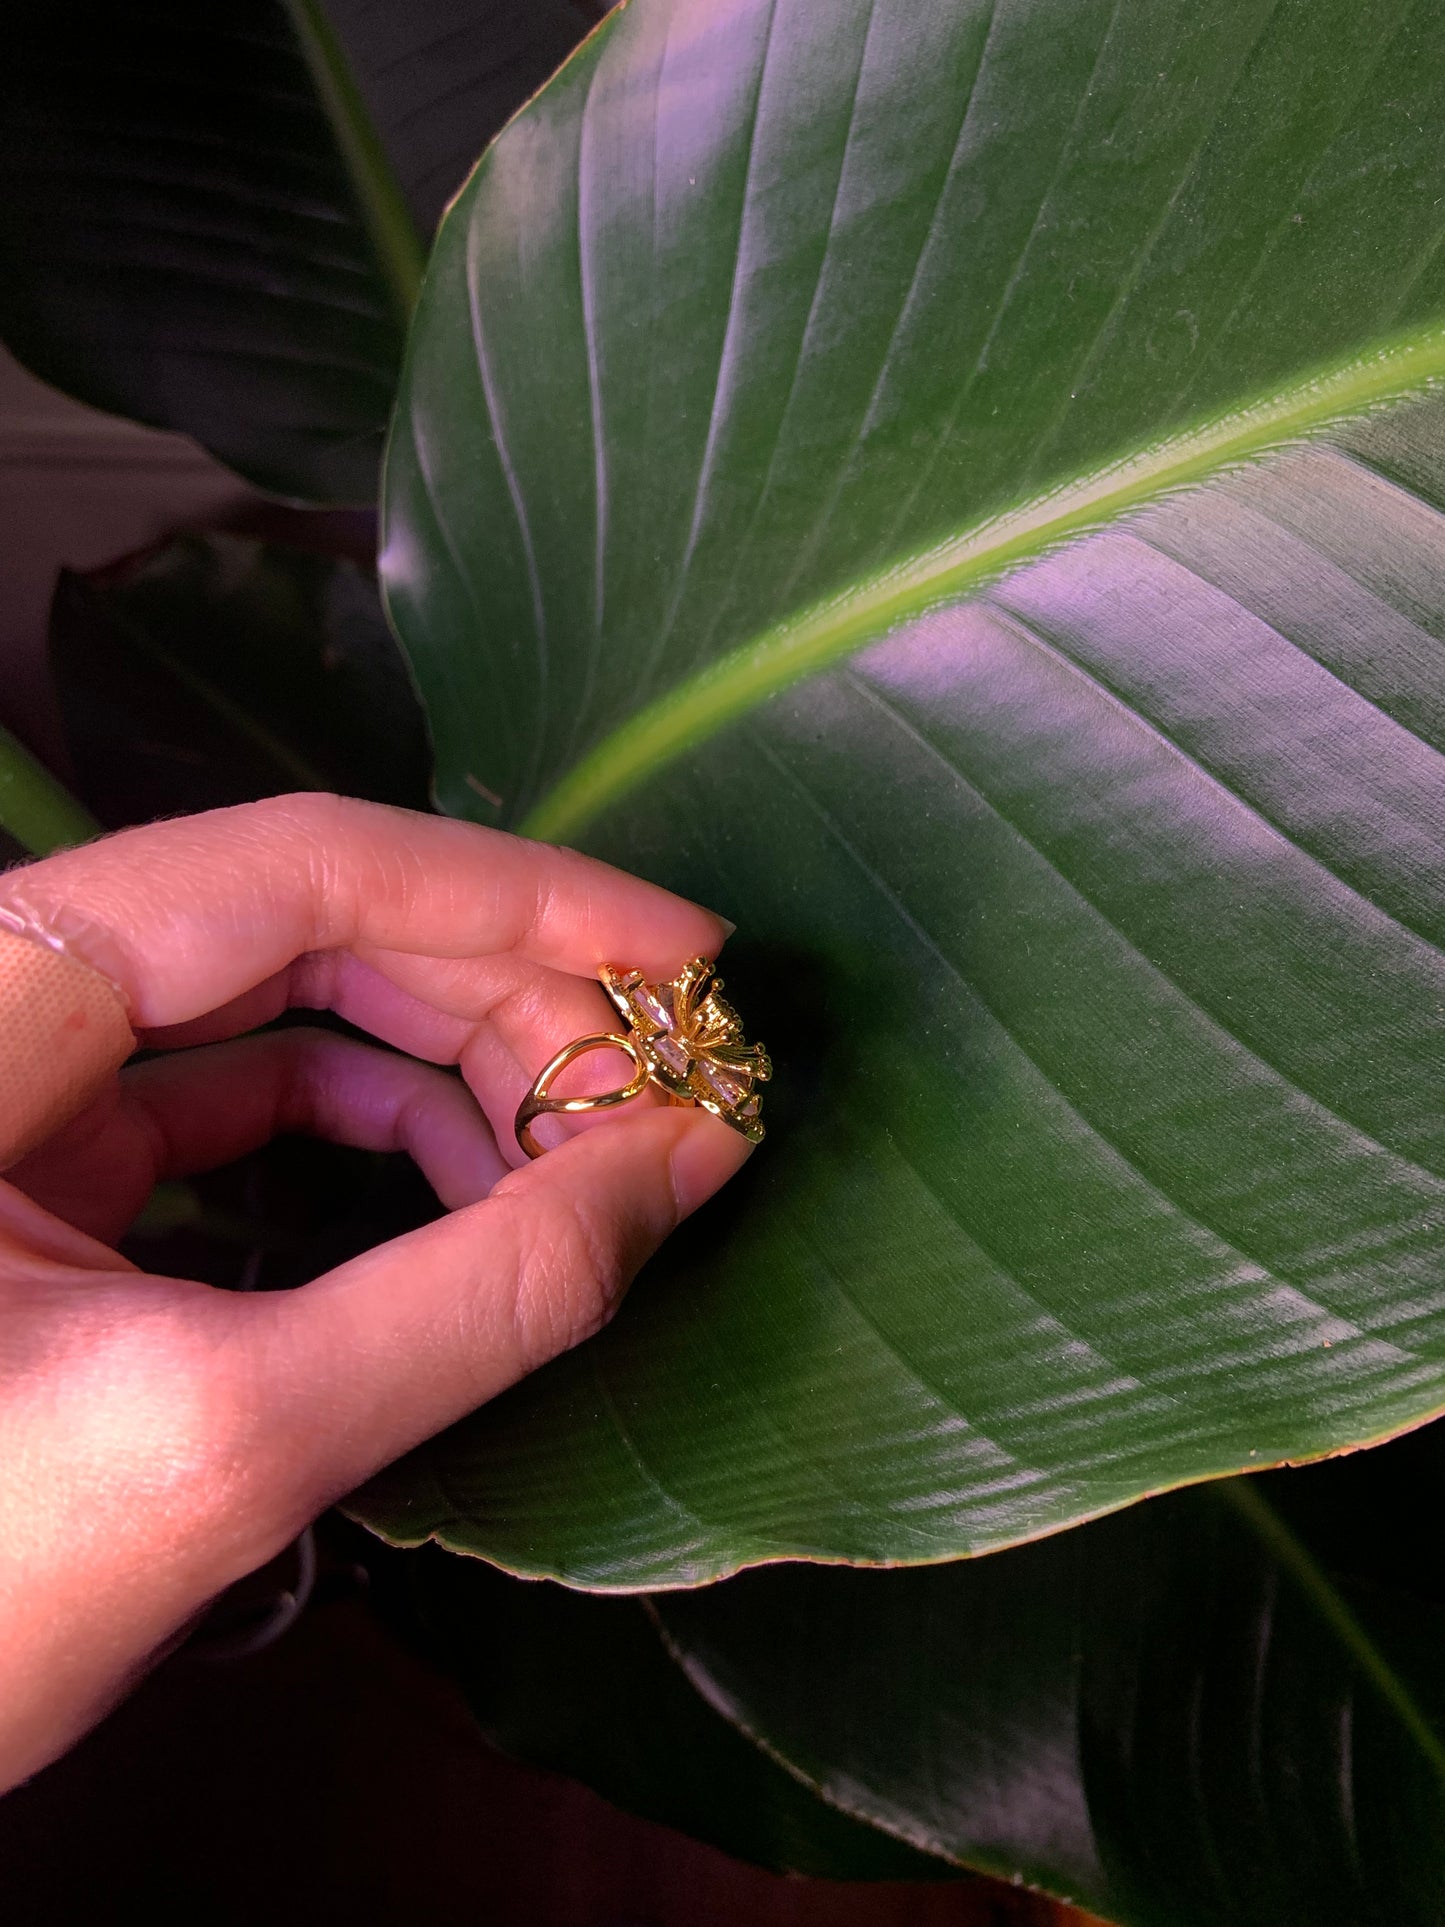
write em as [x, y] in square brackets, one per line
[63, 1031]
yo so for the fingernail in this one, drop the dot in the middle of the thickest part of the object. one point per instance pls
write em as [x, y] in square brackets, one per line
[704, 1157]
[727, 923]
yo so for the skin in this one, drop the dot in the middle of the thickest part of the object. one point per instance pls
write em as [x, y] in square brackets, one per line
[160, 1439]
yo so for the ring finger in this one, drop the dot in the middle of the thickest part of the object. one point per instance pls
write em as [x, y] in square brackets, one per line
[203, 1108]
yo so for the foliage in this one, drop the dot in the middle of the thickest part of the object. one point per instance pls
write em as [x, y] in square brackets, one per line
[218, 668]
[584, 1685]
[1221, 1706]
[1094, 923]
[202, 226]
[794, 493]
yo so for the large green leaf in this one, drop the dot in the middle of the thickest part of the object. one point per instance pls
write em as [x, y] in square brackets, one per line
[200, 228]
[1094, 925]
[584, 1686]
[1224, 1706]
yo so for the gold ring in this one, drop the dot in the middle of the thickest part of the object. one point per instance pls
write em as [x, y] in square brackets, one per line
[681, 1036]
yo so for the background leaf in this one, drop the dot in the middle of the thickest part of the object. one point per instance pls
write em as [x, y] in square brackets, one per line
[181, 239]
[211, 670]
[584, 1686]
[1224, 1705]
[441, 76]
[216, 668]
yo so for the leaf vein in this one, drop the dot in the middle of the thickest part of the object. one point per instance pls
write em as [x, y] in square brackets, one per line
[1282, 226]
[1069, 390]
[727, 357]
[1434, 1180]
[490, 400]
[1087, 1126]
[1029, 631]
[945, 436]
[808, 548]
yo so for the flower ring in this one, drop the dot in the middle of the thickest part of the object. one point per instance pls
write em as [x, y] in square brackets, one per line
[680, 1036]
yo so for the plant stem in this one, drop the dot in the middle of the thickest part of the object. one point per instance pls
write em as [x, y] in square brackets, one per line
[37, 810]
[1245, 1498]
[399, 246]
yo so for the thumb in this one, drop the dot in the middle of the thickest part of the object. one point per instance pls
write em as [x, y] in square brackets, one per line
[387, 1350]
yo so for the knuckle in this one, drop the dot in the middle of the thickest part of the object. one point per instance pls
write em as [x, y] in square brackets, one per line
[312, 829]
[532, 918]
[307, 810]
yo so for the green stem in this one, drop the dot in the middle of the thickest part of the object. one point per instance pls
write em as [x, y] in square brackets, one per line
[36, 810]
[1244, 1497]
[802, 644]
[394, 235]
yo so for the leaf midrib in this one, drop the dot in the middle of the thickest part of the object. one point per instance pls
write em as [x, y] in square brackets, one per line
[400, 254]
[1249, 1504]
[804, 643]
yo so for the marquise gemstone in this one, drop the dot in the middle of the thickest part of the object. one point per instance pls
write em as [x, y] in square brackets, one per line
[655, 1000]
[730, 1086]
[673, 1054]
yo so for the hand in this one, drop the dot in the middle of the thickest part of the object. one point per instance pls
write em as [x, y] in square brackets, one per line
[160, 1439]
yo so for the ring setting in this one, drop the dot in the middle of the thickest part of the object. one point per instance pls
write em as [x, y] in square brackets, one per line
[681, 1036]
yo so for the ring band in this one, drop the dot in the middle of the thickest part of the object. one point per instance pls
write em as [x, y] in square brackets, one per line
[681, 1037]
[538, 1104]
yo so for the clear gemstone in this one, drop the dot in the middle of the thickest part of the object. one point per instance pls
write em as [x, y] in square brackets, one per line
[656, 1002]
[728, 1085]
[671, 1053]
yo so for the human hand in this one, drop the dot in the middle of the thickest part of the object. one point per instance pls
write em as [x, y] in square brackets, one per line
[158, 1438]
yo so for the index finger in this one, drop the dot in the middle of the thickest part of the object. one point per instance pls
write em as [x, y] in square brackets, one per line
[187, 914]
